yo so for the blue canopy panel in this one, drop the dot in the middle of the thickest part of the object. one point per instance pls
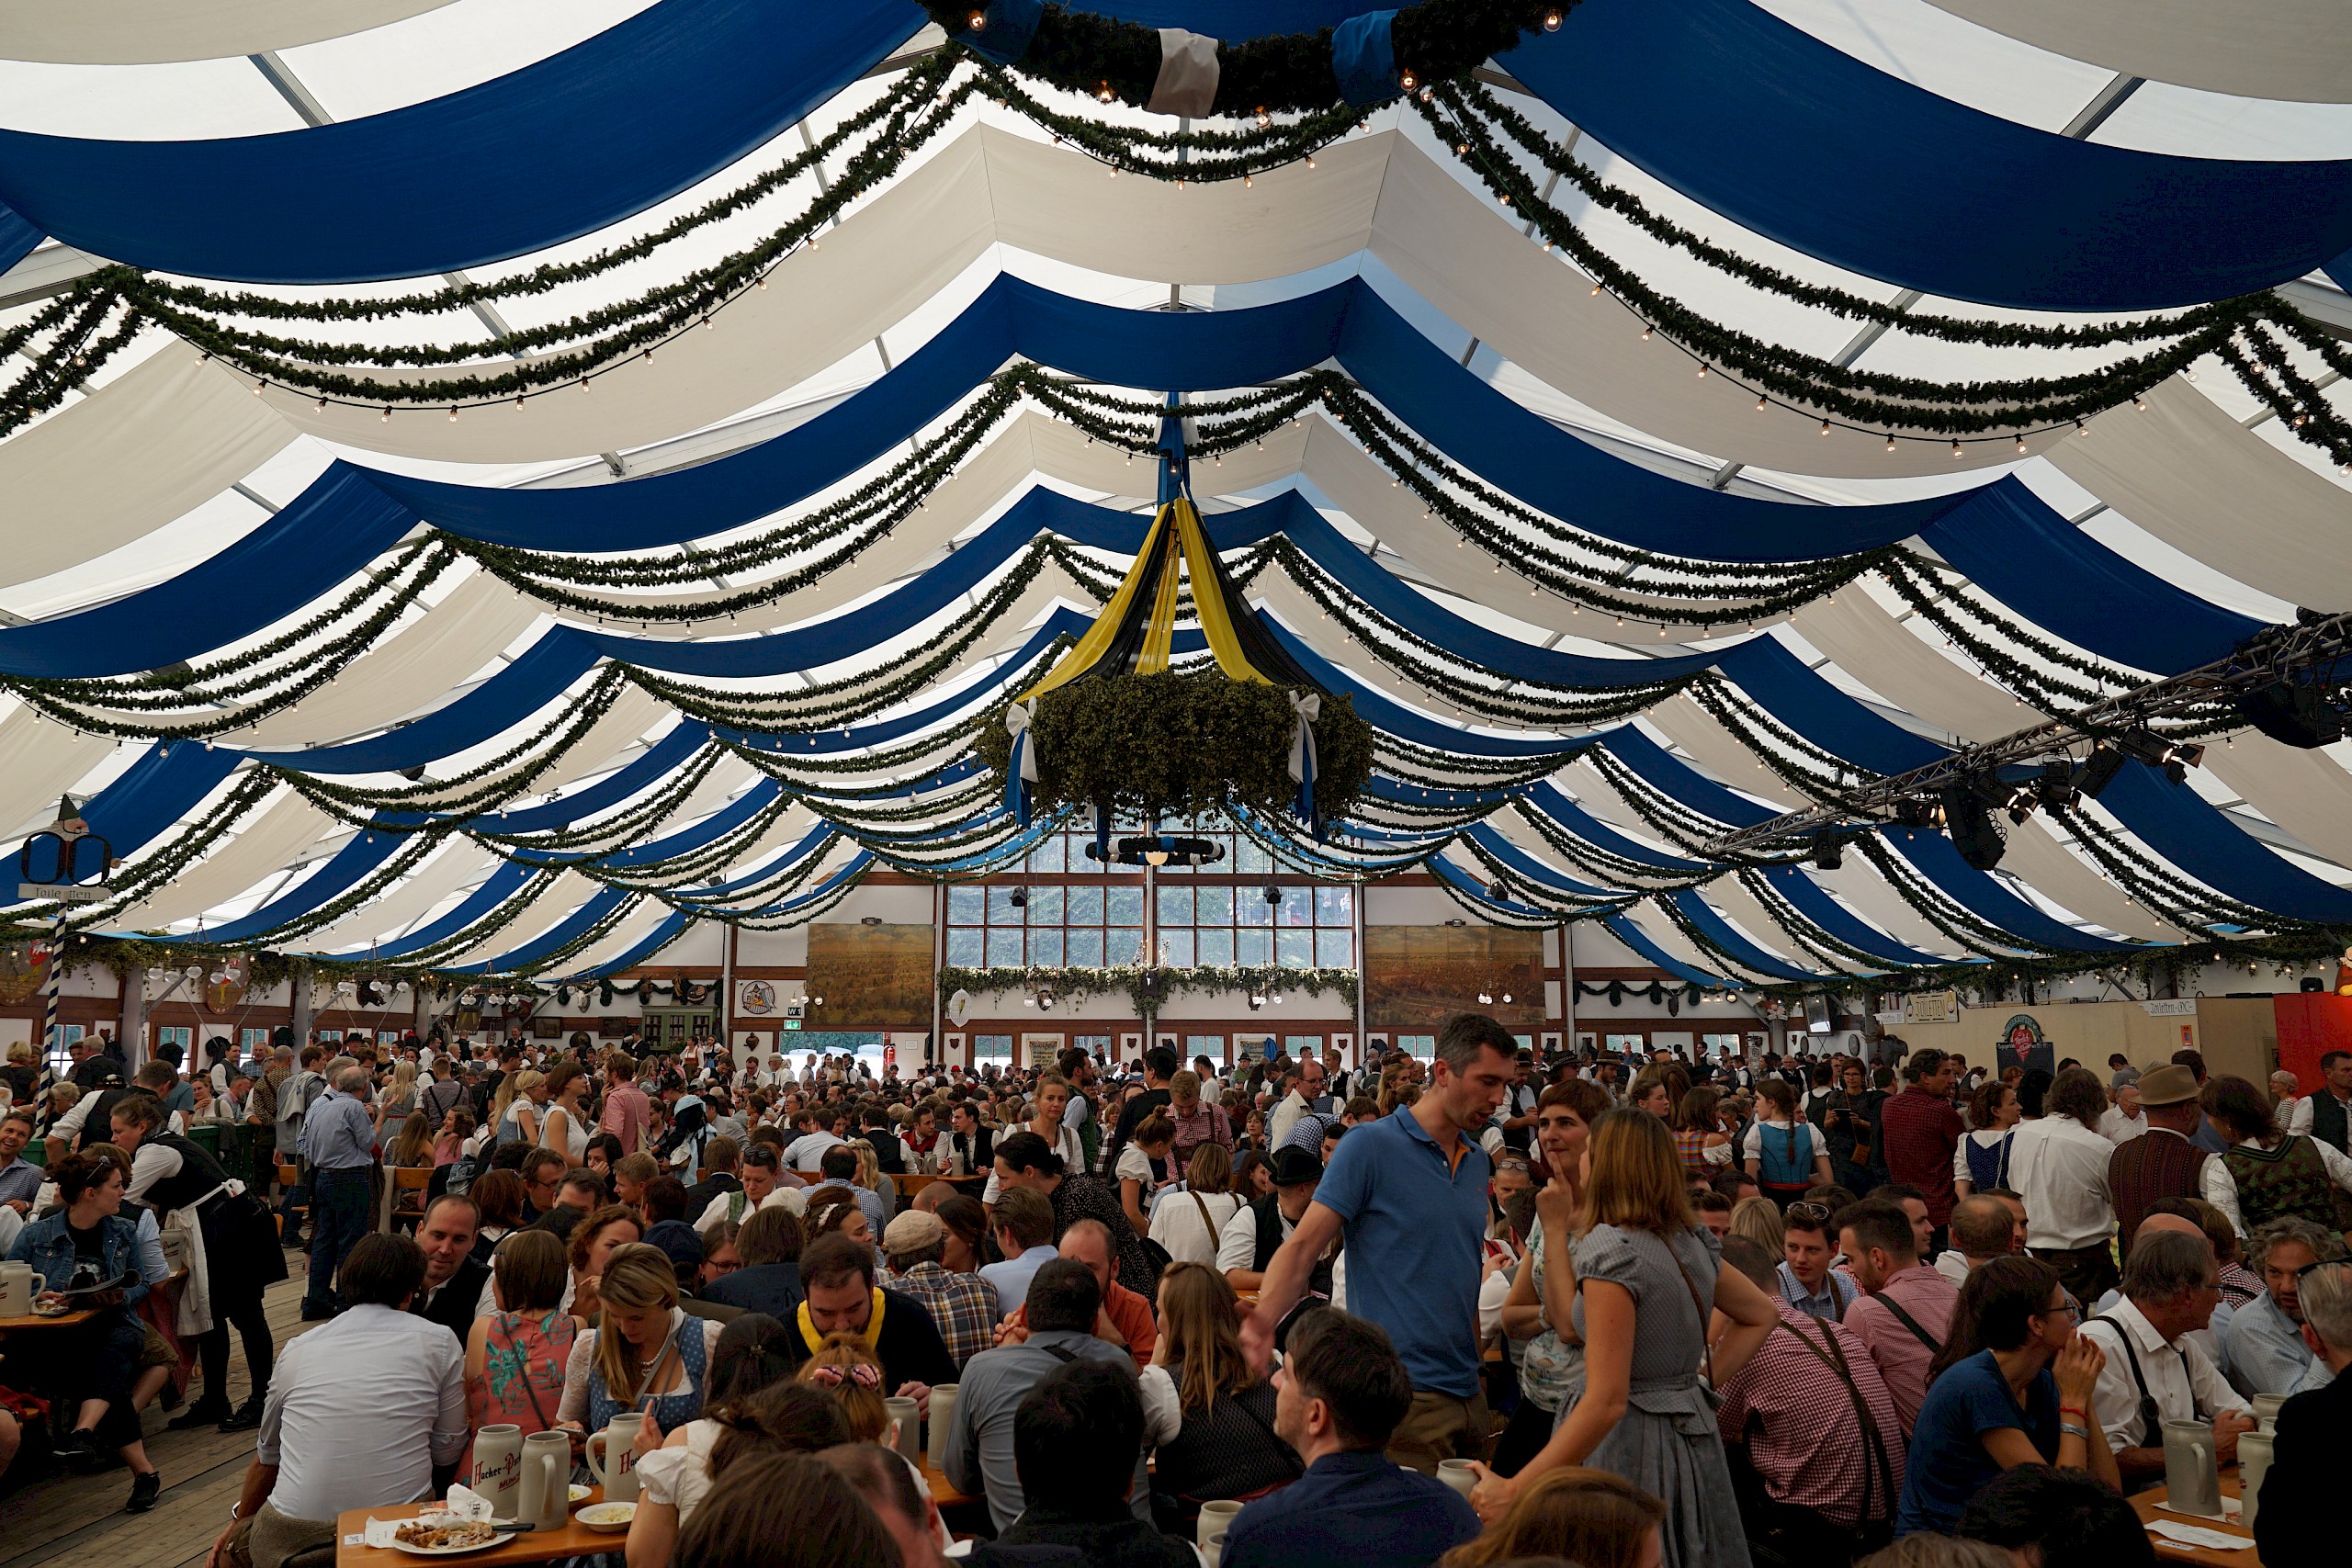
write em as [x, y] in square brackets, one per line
[819, 840]
[1931, 854]
[1576, 820]
[1809, 705]
[2179, 824]
[362, 854]
[558, 149]
[1474, 893]
[1743, 952]
[1625, 929]
[329, 532]
[17, 237]
[1521, 864]
[163, 785]
[505, 880]
[1392, 717]
[544, 672]
[581, 920]
[660, 937]
[849, 871]
[2016, 548]
[660, 761]
[1464, 416]
[1680, 783]
[1813, 902]
[1742, 112]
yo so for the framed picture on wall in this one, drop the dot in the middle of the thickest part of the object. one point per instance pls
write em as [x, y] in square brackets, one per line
[952, 1046]
[546, 1029]
[1131, 1047]
[1757, 1043]
[613, 1028]
[1587, 1041]
[1346, 1045]
[1550, 1043]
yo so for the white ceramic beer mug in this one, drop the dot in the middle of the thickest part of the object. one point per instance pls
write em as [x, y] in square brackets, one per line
[498, 1467]
[611, 1459]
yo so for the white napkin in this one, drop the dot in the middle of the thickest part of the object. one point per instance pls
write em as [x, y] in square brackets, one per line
[2196, 1535]
[2230, 1509]
[463, 1504]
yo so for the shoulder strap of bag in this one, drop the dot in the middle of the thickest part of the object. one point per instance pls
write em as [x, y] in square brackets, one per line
[1696, 1301]
[1876, 1463]
[1908, 1321]
[1216, 1232]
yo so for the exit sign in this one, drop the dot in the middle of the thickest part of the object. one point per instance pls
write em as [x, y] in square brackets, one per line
[792, 1023]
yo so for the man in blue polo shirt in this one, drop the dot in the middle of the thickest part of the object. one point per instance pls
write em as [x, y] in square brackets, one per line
[1409, 1191]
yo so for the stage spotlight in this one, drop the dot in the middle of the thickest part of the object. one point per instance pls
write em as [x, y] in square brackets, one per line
[2300, 712]
[2055, 788]
[1020, 898]
[2097, 770]
[1973, 833]
[1915, 813]
[1273, 894]
[1827, 852]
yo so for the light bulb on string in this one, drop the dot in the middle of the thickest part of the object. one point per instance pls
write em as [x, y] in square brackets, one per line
[1890, 444]
[1825, 427]
[1956, 452]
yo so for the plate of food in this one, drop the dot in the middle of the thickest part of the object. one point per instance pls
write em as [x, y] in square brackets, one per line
[443, 1535]
[610, 1518]
[580, 1493]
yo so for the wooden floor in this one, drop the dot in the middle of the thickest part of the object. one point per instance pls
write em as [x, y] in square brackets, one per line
[78, 1520]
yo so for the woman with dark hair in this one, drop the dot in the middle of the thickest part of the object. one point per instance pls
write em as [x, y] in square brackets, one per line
[1700, 1141]
[967, 1245]
[594, 1240]
[2011, 1386]
[1980, 1159]
[1253, 1175]
[88, 1242]
[565, 1127]
[1784, 1153]
[1024, 1160]
[1647, 1276]
[516, 1355]
[605, 1151]
[2268, 1174]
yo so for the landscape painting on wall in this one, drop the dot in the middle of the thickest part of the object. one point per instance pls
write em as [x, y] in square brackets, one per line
[1416, 978]
[870, 976]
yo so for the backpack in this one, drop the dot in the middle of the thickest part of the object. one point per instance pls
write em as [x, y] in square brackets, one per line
[1787, 1149]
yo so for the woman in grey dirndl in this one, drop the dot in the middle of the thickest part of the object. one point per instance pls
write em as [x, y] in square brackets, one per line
[1646, 1273]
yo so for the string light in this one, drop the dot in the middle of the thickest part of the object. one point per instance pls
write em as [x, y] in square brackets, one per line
[1762, 405]
[1645, 332]
[2021, 445]
[259, 386]
[1825, 427]
[1551, 21]
[1102, 94]
[1889, 443]
[386, 417]
[453, 416]
[1956, 451]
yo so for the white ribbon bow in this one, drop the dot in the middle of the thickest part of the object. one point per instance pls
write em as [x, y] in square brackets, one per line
[1017, 720]
[1307, 706]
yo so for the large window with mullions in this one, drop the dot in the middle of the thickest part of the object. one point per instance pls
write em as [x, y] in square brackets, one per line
[1063, 907]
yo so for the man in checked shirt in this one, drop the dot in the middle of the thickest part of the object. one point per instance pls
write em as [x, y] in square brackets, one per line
[1811, 1416]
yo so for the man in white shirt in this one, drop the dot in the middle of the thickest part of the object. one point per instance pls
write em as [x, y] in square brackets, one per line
[2058, 1164]
[764, 1187]
[1305, 1087]
[806, 1152]
[365, 1411]
[2154, 1372]
[2123, 1121]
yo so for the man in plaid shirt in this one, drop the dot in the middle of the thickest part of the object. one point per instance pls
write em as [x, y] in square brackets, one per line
[1830, 1480]
[964, 1305]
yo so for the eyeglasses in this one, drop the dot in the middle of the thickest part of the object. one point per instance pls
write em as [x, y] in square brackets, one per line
[1809, 1211]
[2070, 1309]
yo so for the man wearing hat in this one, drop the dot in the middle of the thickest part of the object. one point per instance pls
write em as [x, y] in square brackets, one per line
[1244, 1251]
[964, 1305]
[2162, 1162]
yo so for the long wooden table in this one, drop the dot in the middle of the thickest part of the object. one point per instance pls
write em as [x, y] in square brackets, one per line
[575, 1540]
[34, 1320]
[2148, 1505]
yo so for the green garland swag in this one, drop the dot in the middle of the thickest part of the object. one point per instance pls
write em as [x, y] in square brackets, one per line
[1129, 980]
[1181, 745]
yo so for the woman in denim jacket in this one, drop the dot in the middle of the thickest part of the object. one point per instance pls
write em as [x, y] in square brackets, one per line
[102, 1355]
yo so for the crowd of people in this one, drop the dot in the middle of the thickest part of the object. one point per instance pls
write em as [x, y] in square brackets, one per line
[1473, 1310]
